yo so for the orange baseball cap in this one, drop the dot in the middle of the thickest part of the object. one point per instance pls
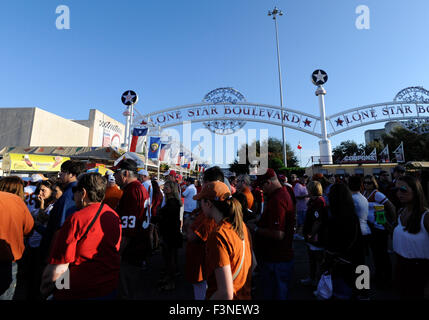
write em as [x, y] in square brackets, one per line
[215, 190]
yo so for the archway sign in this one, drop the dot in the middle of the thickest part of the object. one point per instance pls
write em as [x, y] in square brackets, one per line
[225, 110]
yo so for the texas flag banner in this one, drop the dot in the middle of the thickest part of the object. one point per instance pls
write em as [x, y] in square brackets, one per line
[154, 146]
[137, 142]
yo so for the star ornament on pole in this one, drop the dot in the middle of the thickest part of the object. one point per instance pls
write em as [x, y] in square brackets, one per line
[129, 97]
[319, 77]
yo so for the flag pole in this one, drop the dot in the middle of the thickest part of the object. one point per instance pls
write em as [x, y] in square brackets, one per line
[159, 151]
[147, 153]
[158, 167]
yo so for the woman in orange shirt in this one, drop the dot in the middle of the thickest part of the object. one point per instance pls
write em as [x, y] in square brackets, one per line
[229, 258]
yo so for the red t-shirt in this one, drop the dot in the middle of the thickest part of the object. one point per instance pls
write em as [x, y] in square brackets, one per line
[94, 262]
[131, 208]
[278, 215]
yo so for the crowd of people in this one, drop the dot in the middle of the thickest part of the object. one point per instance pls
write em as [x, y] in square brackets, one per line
[68, 237]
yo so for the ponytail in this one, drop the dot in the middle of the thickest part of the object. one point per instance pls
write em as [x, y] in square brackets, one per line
[232, 212]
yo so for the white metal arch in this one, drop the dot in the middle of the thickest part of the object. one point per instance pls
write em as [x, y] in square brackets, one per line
[262, 113]
[376, 113]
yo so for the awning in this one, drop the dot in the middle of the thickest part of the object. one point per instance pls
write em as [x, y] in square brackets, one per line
[95, 153]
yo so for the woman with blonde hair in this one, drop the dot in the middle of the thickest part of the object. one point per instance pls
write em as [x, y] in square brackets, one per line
[229, 258]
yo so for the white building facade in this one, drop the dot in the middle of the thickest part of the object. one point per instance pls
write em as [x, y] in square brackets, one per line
[37, 127]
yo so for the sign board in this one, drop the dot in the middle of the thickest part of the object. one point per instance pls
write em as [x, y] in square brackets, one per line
[32, 162]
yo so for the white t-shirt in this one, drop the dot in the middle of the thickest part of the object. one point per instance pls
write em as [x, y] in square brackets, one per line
[189, 203]
[361, 207]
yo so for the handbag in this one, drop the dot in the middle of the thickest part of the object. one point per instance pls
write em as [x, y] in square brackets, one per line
[324, 287]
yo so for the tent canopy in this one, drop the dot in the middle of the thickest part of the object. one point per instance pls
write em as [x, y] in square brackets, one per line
[93, 153]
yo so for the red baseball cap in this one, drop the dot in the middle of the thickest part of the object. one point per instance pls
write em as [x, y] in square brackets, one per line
[270, 173]
[170, 173]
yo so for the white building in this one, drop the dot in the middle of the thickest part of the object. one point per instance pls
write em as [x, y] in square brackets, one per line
[37, 127]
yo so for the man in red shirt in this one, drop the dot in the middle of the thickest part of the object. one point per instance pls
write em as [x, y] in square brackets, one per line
[132, 209]
[273, 236]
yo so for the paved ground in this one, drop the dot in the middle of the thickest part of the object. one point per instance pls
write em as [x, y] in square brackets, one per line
[143, 283]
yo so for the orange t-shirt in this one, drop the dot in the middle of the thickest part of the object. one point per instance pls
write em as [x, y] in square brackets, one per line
[196, 250]
[224, 247]
[249, 196]
[15, 222]
[112, 196]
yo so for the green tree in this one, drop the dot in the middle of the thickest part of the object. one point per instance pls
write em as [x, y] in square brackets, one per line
[275, 156]
[374, 144]
[346, 148]
[416, 146]
[164, 167]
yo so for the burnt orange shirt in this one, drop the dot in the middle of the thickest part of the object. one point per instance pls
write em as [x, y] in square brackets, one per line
[224, 247]
[196, 250]
[112, 196]
[15, 222]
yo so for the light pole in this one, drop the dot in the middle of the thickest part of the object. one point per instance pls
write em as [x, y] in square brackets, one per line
[274, 14]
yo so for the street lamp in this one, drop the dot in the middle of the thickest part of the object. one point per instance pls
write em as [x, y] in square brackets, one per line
[274, 14]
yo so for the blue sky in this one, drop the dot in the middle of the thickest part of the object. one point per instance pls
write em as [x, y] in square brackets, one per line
[174, 52]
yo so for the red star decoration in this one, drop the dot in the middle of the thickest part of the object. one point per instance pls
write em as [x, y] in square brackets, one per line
[307, 122]
[339, 122]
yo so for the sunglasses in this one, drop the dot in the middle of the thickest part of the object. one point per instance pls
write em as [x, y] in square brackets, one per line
[402, 189]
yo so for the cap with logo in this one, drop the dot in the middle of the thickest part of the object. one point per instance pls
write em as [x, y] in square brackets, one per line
[216, 190]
